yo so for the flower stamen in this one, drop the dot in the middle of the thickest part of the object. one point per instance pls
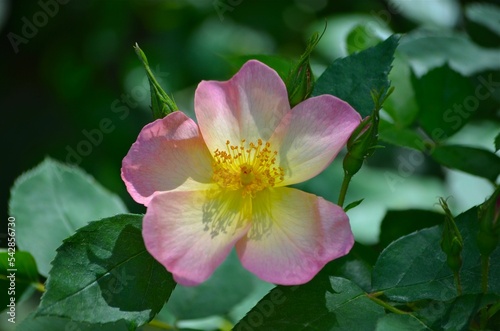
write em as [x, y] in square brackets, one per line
[247, 167]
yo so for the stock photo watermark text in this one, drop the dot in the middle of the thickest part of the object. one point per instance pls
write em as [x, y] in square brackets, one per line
[48, 9]
[11, 269]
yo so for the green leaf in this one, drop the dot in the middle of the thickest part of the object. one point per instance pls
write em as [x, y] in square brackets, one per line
[105, 271]
[403, 137]
[393, 322]
[402, 104]
[485, 14]
[52, 323]
[23, 271]
[475, 161]
[206, 300]
[428, 49]
[398, 223]
[325, 303]
[356, 266]
[353, 204]
[414, 267]
[441, 95]
[353, 78]
[360, 38]
[455, 314]
[50, 202]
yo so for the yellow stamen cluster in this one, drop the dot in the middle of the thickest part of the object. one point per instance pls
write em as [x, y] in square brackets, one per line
[250, 168]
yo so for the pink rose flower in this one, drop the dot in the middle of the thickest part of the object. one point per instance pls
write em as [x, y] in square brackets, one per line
[222, 182]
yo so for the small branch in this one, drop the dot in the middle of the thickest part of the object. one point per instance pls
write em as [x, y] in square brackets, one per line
[493, 310]
[374, 298]
[343, 189]
[161, 325]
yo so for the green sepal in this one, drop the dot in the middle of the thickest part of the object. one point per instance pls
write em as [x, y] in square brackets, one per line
[452, 244]
[364, 139]
[353, 204]
[451, 240]
[488, 236]
[161, 103]
[300, 82]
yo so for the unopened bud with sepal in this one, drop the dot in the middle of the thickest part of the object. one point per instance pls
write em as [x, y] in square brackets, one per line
[161, 103]
[364, 139]
[488, 237]
[300, 82]
[451, 240]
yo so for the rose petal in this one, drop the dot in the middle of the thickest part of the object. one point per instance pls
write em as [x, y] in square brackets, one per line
[293, 235]
[311, 135]
[169, 154]
[248, 106]
[191, 233]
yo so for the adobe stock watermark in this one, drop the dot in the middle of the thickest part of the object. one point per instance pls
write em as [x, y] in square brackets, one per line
[222, 6]
[454, 116]
[372, 26]
[30, 28]
[114, 284]
[263, 309]
[120, 107]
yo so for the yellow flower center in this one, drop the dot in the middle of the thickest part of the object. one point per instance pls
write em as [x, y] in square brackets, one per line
[249, 168]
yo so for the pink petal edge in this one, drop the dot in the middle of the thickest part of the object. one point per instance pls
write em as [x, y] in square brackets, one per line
[311, 135]
[169, 154]
[191, 233]
[248, 106]
[304, 232]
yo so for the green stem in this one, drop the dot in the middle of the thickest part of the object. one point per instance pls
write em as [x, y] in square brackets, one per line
[343, 189]
[384, 304]
[161, 325]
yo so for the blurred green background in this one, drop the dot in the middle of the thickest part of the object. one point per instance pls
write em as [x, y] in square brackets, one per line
[73, 88]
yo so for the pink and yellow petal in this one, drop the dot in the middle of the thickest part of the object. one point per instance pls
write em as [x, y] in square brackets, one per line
[248, 106]
[169, 154]
[311, 135]
[191, 233]
[293, 235]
